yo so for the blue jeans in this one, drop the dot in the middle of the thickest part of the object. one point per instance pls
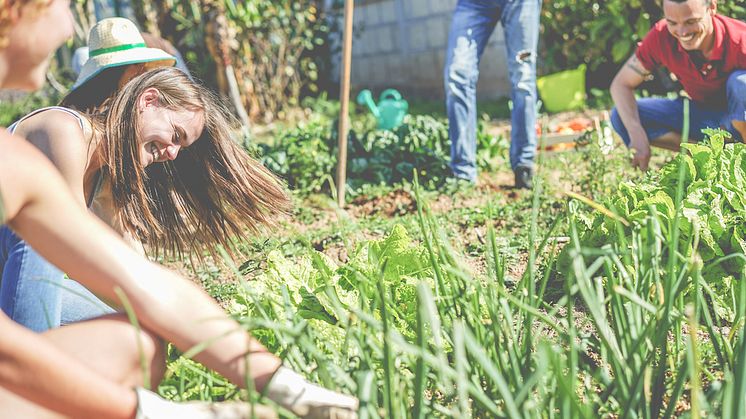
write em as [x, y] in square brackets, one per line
[36, 294]
[661, 116]
[473, 23]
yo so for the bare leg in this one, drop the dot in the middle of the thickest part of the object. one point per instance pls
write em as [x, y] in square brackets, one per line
[106, 344]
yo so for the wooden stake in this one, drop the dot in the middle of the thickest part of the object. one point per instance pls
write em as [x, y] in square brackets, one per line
[344, 97]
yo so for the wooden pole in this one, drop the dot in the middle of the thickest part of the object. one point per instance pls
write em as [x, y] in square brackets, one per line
[344, 97]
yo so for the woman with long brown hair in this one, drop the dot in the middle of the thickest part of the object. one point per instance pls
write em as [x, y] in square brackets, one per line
[157, 162]
[90, 369]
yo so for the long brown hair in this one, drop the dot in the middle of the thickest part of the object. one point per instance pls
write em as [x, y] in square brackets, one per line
[212, 192]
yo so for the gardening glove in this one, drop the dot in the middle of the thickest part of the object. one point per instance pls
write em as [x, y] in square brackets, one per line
[309, 401]
[152, 406]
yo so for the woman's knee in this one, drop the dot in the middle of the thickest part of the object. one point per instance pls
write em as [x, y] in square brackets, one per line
[148, 360]
[115, 348]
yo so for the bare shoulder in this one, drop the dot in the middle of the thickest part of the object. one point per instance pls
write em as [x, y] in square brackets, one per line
[22, 167]
[58, 135]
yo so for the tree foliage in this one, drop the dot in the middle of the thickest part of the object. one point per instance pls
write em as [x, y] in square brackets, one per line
[278, 49]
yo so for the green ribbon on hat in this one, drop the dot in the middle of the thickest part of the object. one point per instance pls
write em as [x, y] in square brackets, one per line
[116, 48]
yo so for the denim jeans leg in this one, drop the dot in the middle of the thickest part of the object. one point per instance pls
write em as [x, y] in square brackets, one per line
[30, 287]
[735, 89]
[520, 21]
[36, 294]
[660, 116]
[79, 304]
[472, 24]
[702, 116]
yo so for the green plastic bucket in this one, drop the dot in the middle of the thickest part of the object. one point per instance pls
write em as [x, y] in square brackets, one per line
[563, 91]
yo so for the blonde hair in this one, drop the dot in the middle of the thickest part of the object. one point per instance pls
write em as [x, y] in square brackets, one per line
[213, 191]
[8, 8]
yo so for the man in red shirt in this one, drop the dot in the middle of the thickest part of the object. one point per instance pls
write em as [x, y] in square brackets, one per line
[707, 54]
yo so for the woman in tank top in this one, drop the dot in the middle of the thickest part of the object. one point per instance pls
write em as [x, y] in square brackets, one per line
[154, 160]
[93, 368]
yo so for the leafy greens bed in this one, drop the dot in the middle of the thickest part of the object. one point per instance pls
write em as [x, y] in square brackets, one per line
[713, 205]
[649, 321]
[710, 227]
[306, 156]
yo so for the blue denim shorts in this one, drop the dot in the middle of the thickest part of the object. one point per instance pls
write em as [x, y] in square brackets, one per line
[36, 294]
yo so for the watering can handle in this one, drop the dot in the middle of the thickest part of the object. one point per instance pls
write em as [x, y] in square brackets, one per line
[393, 93]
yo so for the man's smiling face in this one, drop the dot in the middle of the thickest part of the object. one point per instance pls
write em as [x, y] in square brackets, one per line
[690, 22]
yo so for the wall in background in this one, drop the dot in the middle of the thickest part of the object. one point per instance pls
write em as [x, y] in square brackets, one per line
[402, 44]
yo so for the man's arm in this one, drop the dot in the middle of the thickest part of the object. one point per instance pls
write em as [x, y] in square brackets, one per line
[629, 77]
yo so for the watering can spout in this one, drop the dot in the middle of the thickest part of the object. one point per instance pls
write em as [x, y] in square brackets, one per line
[365, 98]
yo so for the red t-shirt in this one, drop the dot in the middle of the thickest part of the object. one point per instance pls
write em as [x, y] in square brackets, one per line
[705, 82]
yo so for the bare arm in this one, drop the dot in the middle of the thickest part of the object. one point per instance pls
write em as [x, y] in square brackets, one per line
[629, 77]
[80, 244]
[66, 384]
[42, 211]
[58, 136]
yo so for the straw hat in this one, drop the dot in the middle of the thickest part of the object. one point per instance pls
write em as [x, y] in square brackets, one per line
[115, 42]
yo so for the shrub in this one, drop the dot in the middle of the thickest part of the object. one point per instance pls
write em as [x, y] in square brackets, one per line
[307, 156]
[302, 157]
[278, 49]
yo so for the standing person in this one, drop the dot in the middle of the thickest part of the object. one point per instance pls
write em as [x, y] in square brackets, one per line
[707, 53]
[473, 23]
[87, 370]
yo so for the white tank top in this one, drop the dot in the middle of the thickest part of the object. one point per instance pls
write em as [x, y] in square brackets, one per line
[82, 121]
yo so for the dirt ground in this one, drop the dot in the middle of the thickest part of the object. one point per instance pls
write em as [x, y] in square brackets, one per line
[493, 188]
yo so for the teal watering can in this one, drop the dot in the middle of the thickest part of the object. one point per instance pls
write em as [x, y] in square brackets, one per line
[389, 111]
